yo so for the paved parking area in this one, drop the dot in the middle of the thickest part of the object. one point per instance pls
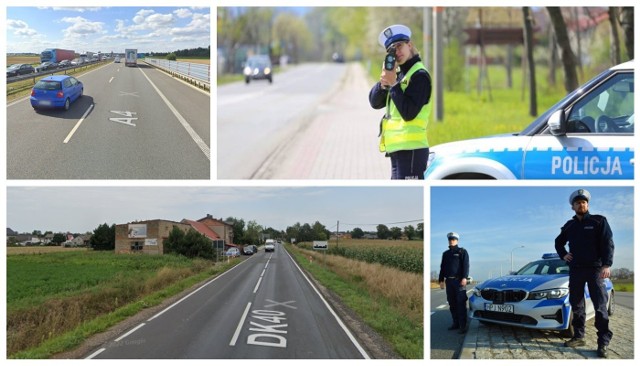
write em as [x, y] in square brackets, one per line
[504, 342]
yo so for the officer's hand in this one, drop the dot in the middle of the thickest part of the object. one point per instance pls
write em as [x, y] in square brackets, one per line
[441, 285]
[568, 257]
[463, 282]
[606, 272]
[387, 78]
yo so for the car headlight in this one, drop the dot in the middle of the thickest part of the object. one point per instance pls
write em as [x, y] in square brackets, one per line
[555, 293]
[247, 71]
[477, 292]
[267, 71]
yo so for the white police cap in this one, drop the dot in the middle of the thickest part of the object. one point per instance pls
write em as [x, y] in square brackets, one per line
[580, 194]
[453, 235]
[394, 33]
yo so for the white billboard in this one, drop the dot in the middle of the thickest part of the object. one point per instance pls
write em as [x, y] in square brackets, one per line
[137, 231]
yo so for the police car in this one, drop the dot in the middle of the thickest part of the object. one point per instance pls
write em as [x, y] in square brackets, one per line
[587, 135]
[537, 296]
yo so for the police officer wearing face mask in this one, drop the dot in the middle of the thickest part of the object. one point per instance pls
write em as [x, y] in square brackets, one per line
[454, 270]
[590, 257]
[404, 90]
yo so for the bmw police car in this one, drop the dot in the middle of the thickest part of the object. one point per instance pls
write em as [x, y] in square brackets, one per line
[587, 135]
[537, 296]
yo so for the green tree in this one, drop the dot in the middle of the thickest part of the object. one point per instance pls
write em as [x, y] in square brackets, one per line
[252, 234]
[60, 238]
[420, 231]
[191, 244]
[396, 233]
[103, 238]
[238, 228]
[383, 231]
[171, 57]
[320, 232]
[357, 233]
[410, 232]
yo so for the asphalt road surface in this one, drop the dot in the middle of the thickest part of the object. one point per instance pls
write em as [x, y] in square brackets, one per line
[264, 308]
[445, 344]
[131, 123]
[313, 122]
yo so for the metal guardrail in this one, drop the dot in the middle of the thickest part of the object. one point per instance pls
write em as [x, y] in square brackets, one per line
[197, 73]
[37, 74]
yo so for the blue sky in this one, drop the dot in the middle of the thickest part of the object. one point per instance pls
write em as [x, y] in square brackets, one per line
[81, 209]
[492, 221]
[32, 29]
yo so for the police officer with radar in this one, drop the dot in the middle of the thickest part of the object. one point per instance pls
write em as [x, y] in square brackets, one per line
[590, 257]
[405, 90]
[454, 270]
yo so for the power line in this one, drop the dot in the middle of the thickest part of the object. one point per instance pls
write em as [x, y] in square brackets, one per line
[388, 223]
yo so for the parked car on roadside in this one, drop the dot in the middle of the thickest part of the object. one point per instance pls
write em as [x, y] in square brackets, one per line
[56, 91]
[589, 134]
[232, 253]
[249, 249]
[20, 69]
[536, 296]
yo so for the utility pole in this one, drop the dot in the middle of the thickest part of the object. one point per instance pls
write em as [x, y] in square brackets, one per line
[338, 234]
[438, 86]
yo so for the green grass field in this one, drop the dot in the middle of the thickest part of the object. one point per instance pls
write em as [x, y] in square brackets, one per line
[56, 300]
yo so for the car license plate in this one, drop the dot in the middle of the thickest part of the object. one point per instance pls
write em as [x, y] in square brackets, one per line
[45, 102]
[500, 308]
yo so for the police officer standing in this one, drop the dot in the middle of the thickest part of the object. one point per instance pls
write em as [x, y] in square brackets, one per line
[590, 257]
[454, 270]
[406, 95]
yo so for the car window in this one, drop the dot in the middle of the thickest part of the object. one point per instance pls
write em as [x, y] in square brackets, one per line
[606, 109]
[47, 85]
[67, 83]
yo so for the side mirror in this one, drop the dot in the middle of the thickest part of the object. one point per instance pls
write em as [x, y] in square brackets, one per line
[557, 123]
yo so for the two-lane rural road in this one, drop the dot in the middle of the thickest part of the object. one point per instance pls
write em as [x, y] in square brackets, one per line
[264, 308]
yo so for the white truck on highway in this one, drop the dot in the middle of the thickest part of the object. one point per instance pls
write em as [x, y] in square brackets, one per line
[130, 57]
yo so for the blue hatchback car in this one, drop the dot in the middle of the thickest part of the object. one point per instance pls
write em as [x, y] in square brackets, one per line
[56, 91]
[536, 296]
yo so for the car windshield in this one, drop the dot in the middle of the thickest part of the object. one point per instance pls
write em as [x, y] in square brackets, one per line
[258, 61]
[47, 85]
[544, 267]
[13, 67]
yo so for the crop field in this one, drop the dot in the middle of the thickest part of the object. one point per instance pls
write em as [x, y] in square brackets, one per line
[401, 254]
[49, 294]
[33, 60]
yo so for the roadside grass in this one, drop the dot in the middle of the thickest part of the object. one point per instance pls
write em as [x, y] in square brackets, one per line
[623, 285]
[389, 300]
[56, 300]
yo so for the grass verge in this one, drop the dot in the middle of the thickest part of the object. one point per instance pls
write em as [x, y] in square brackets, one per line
[43, 320]
[386, 299]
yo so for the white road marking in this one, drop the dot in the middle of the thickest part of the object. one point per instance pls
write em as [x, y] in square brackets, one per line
[257, 285]
[239, 328]
[444, 306]
[194, 135]
[129, 332]
[285, 304]
[77, 124]
[94, 354]
[110, 80]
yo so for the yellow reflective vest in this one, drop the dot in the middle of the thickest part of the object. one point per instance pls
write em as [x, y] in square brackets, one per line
[398, 134]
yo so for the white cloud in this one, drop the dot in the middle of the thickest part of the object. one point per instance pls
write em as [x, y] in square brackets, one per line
[20, 28]
[81, 27]
[183, 13]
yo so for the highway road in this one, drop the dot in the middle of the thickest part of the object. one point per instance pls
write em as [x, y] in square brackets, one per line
[445, 344]
[131, 123]
[264, 308]
[313, 122]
